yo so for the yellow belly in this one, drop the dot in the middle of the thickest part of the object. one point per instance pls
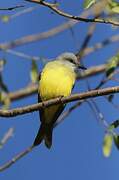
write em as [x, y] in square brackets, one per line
[56, 80]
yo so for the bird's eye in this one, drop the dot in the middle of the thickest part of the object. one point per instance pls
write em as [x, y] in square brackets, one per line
[71, 60]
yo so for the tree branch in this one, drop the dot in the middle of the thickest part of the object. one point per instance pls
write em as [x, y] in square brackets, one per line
[33, 89]
[55, 9]
[73, 97]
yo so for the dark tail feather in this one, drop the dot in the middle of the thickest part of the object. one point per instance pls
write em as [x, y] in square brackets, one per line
[44, 133]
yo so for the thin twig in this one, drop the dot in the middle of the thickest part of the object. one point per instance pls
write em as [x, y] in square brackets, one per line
[6, 137]
[67, 113]
[91, 29]
[16, 158]
[11, 8]
[100, 115]
[92, 107]
[102, 44]
[22, 55]
[24, 11]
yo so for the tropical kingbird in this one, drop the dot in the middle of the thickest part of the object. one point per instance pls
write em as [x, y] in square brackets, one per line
[57, 80]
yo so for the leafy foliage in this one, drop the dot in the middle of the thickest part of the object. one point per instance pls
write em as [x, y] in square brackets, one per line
[34, 72]
[113, 7]
[5, 18]
[88, 3]
[109, 137]
[116, 141]
[107, 144]
[111, 65]
[5, 100]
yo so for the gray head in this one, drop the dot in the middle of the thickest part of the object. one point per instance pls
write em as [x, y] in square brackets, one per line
[71, 59]
[68, 57]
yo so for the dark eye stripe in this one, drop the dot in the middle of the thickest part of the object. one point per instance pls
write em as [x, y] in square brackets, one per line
[71, 60]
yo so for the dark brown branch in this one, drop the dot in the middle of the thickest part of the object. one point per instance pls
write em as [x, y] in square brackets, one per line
[73, 97]
[55, 9]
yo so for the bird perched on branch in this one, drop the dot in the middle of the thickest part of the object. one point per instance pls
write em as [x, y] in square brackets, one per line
[57, 80]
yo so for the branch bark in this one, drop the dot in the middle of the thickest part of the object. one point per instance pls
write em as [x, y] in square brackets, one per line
[64, 14]
[73, 97]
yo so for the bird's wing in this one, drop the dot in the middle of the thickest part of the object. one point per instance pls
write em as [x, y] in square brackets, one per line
[41, 110]
[48, 117]
[51, 113]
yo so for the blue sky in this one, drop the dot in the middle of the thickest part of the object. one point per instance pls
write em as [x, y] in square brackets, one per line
[77, 143]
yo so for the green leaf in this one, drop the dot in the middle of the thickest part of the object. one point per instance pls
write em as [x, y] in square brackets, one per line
[88, 3]
[116, 9]
[112, 126]
[116, 141]
[2, 63]
[107, 144]
[109, 137]
[3, 86]
[111, 65]
[115, 124]
[34, 72]
[5, 18]
[5, 100]
[7, 103]
[113, 7]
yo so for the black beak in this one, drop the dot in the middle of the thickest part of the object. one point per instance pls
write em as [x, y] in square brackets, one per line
[82, 67]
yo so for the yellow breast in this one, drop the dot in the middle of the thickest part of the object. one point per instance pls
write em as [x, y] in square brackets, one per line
[56, 80]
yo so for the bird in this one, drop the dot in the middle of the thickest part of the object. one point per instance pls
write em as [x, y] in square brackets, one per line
[57, 79]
